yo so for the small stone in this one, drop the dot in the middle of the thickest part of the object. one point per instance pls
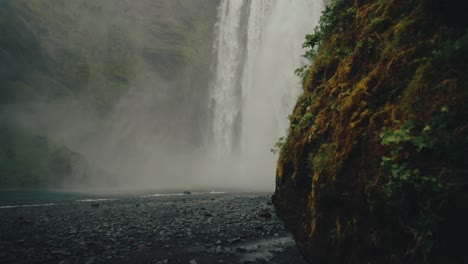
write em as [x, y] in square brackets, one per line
[219, 250]
[234, 240]
[91, 243]
[193, 261]
[140, 247]
[187, 192]
[25, 222]
[264, 213]
[95, 205]
[241, 249]
[91, 260]
[59, 252]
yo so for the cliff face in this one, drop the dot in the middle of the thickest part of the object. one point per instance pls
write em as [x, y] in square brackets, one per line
[373, 169]
[68, 68]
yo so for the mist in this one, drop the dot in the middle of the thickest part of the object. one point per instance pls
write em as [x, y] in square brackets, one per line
[254, 89]
[159, 95]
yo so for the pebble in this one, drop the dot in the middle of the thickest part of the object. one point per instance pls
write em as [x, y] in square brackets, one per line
[234, 240]
[264, 213]
[125, 228]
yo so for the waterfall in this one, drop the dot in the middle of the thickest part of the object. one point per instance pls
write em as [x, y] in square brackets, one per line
[258, 46]
[224, 92]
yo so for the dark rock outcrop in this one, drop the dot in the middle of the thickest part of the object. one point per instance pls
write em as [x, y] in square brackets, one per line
[373, 168]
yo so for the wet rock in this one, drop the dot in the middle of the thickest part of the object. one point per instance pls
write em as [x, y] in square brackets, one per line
[234, 240]
[207, 214]
[241, 249]
[264, 213]
[193, 261]
[91, 243]
[91, 260]
[25, 221]
[60, 252]
[261, 261]
[164, 261]
[219, 250]
[95, 205]
[187, 192]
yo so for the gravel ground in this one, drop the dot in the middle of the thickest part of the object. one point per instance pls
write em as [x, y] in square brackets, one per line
[195, 228]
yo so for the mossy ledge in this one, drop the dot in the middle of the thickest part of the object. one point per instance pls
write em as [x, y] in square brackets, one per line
[373, 169]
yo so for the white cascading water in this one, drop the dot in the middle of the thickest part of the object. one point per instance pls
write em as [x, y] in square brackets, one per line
[258, 46]
[224, 91]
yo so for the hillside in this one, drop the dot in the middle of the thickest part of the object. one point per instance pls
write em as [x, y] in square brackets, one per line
[71, 65]
[373, 169]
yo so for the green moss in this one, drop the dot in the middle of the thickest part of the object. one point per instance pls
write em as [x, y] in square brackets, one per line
[323, 159]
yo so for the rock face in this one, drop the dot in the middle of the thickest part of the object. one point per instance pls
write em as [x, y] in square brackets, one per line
[373, 167]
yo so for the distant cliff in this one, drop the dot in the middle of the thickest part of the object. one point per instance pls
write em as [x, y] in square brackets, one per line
[373, 169]
[68, 67]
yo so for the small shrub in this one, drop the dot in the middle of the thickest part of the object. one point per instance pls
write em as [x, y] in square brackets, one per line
[278, 145]
[313, 41]
[401, 174]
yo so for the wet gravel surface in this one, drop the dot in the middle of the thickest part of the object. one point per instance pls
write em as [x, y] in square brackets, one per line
[195, 228]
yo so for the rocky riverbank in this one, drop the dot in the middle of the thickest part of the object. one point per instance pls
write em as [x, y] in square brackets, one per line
[196, 228]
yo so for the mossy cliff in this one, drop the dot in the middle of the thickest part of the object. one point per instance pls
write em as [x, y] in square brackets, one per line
[373, 169]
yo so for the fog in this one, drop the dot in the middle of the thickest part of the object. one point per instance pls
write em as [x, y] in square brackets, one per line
[148, 112]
